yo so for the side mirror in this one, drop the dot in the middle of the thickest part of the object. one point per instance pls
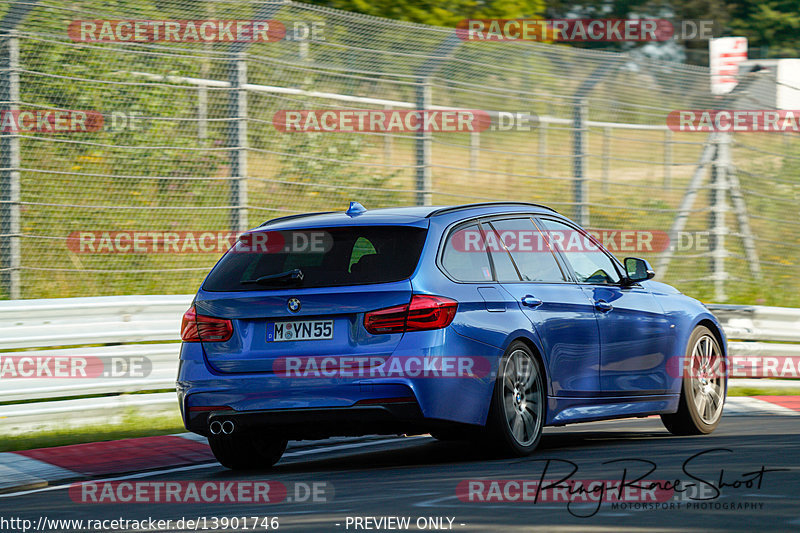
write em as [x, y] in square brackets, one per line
[638, 269]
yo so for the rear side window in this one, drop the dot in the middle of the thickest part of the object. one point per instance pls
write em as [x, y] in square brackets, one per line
[504, 269]
[327, 257]
[464, 256]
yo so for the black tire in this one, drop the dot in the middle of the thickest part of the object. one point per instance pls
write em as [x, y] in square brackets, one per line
[517, 411]
[246, 452]
[699, 409]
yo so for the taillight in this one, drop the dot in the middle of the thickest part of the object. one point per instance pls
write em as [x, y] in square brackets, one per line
[422, 313]
[196, 328]
[430, 312]
[388, 320]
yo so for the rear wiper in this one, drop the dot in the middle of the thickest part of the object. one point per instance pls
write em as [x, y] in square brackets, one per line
[290, 276]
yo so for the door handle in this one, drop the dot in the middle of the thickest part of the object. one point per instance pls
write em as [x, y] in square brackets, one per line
[531, 301]
[603, 306]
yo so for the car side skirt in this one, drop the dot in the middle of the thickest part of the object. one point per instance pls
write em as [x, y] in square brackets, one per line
[563, 411]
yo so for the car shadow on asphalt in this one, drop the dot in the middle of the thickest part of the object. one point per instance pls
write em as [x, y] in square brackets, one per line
[597, 440]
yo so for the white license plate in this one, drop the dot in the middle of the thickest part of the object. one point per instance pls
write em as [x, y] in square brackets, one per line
[300, 330]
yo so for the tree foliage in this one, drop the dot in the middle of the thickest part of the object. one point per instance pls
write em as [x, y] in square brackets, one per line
[771, 26]
[440, 13]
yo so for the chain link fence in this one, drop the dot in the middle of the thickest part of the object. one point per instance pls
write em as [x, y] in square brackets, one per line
[187, 144]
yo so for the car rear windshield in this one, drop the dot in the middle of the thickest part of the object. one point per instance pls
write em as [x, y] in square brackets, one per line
[319, 257]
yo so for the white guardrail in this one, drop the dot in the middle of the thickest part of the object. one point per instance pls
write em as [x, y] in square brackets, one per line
[115, 331]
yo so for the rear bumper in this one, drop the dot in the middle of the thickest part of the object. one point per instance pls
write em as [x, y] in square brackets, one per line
[315, 423]
[437, 398]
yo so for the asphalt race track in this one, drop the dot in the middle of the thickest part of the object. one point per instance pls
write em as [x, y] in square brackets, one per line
[416, 478]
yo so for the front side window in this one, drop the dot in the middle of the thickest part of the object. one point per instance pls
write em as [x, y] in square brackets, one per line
[588, 261]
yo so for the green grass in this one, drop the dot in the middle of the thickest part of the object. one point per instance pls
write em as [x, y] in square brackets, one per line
[83, 396]
[133, 425]
[763, 391]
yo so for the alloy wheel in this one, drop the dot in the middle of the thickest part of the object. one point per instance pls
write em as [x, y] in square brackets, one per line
[522, 397]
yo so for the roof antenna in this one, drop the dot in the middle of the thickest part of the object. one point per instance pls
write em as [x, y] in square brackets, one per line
[355, 209]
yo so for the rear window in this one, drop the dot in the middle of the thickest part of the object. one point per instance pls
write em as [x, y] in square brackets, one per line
[327, 257]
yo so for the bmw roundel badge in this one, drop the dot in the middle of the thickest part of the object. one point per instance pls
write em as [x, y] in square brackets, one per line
[293, 305]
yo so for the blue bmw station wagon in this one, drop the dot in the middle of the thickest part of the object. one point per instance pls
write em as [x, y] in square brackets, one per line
[483, 322]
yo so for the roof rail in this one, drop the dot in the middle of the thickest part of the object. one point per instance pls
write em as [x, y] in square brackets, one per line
[454, 208]
[290, 217]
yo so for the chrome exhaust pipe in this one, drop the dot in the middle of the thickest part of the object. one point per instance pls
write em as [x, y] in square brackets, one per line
[215, 427]
[228, 427]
